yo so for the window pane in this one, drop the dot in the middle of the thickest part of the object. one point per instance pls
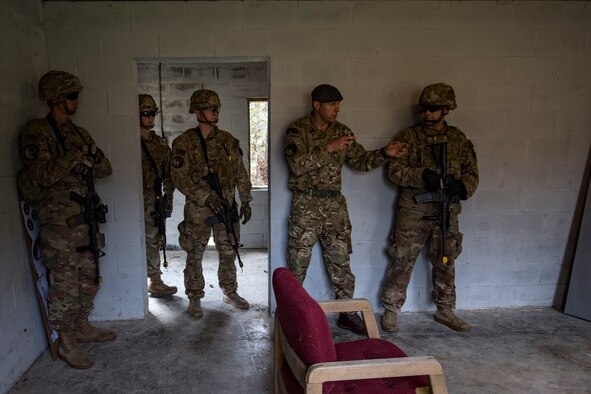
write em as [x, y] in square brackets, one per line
[259, 118]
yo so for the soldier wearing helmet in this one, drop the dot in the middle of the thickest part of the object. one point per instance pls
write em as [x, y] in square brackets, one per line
[200, 155]
[316, 148]
[417, 224]
[157, 183]
[57, 156]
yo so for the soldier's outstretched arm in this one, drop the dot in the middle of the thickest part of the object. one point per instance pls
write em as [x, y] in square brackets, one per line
[401, 170]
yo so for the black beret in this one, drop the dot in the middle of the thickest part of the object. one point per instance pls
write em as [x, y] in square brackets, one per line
[326, 94]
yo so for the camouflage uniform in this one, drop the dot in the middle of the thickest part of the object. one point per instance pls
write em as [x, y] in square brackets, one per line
[72, 285]
[157, 167]
[318, 209]
[188, 169]
[160, 153]
[412, 231]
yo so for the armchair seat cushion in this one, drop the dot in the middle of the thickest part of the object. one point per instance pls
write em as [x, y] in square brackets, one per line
[370, 349]
[364, 349]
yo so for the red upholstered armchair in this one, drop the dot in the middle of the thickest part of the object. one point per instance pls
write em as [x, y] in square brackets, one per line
[308, 361]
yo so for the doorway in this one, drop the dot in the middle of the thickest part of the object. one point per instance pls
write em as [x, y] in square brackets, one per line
[237, 81]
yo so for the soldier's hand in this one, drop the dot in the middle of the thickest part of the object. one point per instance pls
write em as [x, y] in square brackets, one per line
[216, 204]
[80, 169]
[431, 179]
[90, 149]
[395, 149]
[457, 189]
[341, 143]
[245, 212]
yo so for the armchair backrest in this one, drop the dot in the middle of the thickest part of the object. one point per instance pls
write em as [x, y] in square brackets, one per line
[302, 320]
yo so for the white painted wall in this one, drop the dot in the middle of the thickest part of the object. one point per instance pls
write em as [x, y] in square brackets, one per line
[522, 73]
[23, 59]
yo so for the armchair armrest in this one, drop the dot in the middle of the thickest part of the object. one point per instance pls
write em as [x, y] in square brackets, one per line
[354, 305]
[378, 368]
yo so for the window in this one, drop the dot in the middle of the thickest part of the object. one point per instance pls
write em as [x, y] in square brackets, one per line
[258, 117]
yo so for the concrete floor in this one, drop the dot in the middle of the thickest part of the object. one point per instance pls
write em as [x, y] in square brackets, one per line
[231, 351]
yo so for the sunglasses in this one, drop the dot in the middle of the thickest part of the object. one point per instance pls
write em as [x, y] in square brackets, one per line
[212, 109]
[145, 114]
[72, 96]
[430, 108]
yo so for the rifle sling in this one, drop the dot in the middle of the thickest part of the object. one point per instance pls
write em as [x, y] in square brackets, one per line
[204, 147]
[150, 158]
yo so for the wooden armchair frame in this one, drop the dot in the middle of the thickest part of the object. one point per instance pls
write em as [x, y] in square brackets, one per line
[312, 377]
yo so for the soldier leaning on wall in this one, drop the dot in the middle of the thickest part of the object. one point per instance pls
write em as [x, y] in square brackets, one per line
[430, 143]
[58, 156]
[316, 148]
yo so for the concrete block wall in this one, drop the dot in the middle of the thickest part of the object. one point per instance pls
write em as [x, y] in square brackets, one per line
[235, 82]
[522, 74]
[23, 59]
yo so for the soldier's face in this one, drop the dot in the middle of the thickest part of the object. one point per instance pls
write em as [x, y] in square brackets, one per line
[147, 119]
[208, 115]
[70, 103]
[328, 111]
[433, 115]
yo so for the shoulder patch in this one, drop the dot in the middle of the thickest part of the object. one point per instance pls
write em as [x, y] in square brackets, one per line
[291, 150]
[177, 161]
[31, 152]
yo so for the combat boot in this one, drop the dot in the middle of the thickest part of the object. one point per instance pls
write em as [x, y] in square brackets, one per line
[446, 317]
[84, 332]
[236, 301]
[195, 307]
[71, 352]
[352, 322]
[390, 321]
[157, 288]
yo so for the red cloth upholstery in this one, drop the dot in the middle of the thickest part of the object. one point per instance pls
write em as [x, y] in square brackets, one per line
[303, 321]
[306, 328]
[369, 349]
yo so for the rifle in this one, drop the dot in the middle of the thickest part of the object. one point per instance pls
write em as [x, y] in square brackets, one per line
[228, 216]
[160, 216]
[441, 198]
[93, 212]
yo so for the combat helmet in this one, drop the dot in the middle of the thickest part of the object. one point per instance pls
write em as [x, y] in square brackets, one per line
[203, 99]
[147, 102]
[55, 84]
[438, 94]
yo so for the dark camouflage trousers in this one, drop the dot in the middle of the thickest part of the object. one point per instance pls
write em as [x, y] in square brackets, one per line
[72, 275]
[326, 220]
[153, 242]
[410, 235]
[194, 235]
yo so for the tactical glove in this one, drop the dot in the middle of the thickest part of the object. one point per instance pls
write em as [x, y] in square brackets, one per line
[245, 212]
[216, 204]
[80, 169]
[431, 179]
[457, 189]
